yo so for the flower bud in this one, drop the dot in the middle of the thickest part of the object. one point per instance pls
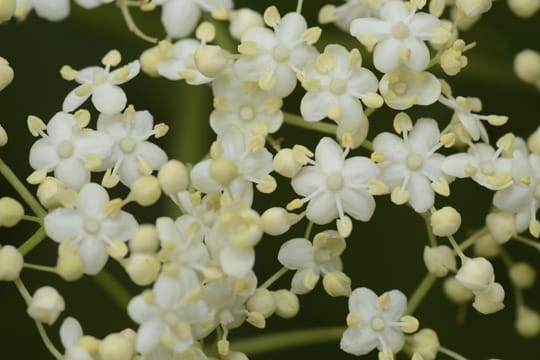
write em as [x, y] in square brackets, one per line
[149, 60]
[533, 142]
[501, 225]
[223, 170]
[337, 283]
[489, 300]
[210, 60]
[46, 305]
[527, 322]
[287, 304]
[69, 265]
[473, 8]
[439, 260]
[11, 263]
[286, 164]
[145, 191]
[527, 65]
[426, 343]
[48, 190]
[277, 221]
[3, 136]
[242, 20]
[142, 268]
[6, 73]
[485, 246]
[353, 138]
[456, 292]
[445, 221]
[262, 301]
[173, 177]
[115, 347]
[524, 8]
[522, 275]
[476, 274]
[7, 9]
[11, 212]
[145, 240]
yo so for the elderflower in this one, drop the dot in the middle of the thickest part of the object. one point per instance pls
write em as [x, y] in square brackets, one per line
[50, 10]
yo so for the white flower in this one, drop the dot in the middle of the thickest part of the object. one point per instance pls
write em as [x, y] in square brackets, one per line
[312, 259]
[91, 228]
[274, 57]
[51, 10]
[101, 84]
[411, 165]
[406, 87]
[167, 313]
[374, 322]
[483, 164]
[344, 14]
[90, 4]
[334, 185]
[69, 150]
[244, 105]
[132, 156]
[70, 333]
[201, 209]
[335, 82]
[178, 62]
[180, 17]
[398, 36]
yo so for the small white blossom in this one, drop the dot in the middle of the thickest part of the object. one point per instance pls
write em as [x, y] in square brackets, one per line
[50, 10]
[90, 4]
[344, 14]
[177, 61]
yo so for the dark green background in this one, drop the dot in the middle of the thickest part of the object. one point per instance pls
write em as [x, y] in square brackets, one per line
[383, 254]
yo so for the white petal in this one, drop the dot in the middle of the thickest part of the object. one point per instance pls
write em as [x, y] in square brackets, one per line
[423, 24]
[297, 254]
[51, 10]
[179, 17]
[419, 53]
[397, 307]
[329, 156]
[70, 332]
[140, 311]
[73, 101]
[92, 200]
[391, 146]
[63, 224]
[455, 164]
[358, 341]
[200, 177]
[72, 173]
[297, 282]
[516, 198]
[421, 195]
[424, 135]
[144, 123]
[108, 98]
[359, 204]
[394, 11]
[237, 262]
[393, 338]
[314, 105]
[373, 26]
[386, 55]
[148, 335]
[358, 170]
[363, 301]
[43, 155]
[308, 180]
[121, 227]
[291, 28]
[134, 69]
[93, 254]
[322, 209]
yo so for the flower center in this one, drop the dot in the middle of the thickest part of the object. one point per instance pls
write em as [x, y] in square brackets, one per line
[246, 113]
[127, 145]
[334, 182]
[64, 149]
[414, 161]
[91, 226]
[338, 86]
[400, 88]
[280, 53]
[99, 77]
[400, 30]
[487, 168]
[377, 323]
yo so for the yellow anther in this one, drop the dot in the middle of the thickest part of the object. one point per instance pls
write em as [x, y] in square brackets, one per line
[347, 140]
[500, 180]
[324, 63]
[248, 48]
[35, 125]
[117, 249]
[36, 177]
[122, 74]
[327, 14]
[368, 40]
[399, 196]
[506, 141]
[344, 226]
[312, 35]
[301, 154]
[161, 130]
[310, 84]
[355, 59]
[383, 302]
[267, 81]
[82, 116]
[220, 13]
[441, 187]
[93, 162]
[373, 100]
[377, 187]
[448, 140]
[402, 122]
[188, 74]
[114, 207]
[497, 120]
[334, 112]
[205, 32]
[271, 16]
[354, 320]
[294, 204]
[68, 73]
[410, 324]
[534, 228]
[108, 180]
[377, 157]
[195, 198]
[470, 170]
[68, 198]
[83, 90]
[112, 58]
[273, 105]
[526, 180]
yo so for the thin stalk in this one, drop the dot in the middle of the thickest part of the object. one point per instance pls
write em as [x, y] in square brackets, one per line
[32, 241]
[309, 227]
[299, 5]
[132, 26]
[527, 241]
[272, 279]
[452, 354]
[113, 287]
[420, 292]
[432, 240]
[298, 121]
[40, 267]
[465, 244]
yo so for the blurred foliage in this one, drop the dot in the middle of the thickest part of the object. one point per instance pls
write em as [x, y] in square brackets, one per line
[383, 254]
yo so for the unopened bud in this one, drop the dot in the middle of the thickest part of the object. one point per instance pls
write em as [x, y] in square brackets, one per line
[485, 246]
[337, 283]
[11, 263]
[210, 60]
[445, 221]
[173, 177]
[502, 226]
[115, 347]
[11, 212]
[145, 240]
[7, 9]
[287, 304]
[6, 73]
[69, 266]
[527, 322]
[439, 260]
[476, 274]
[522, 275]
[46, 305]
[286, 163]
[242, 20]
[527, 65]
[3, 136]
[262, 301]
[149, 60]
[456, 292]
[524, 8]
[426, 343]
[145, 191]
[490, 300]
[142, 268]
[277, 221]
[533, 142]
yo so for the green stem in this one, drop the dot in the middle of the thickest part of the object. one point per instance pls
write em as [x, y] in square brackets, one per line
[113, 287]
[298, 121]
[505, 257]
[465, 244]
[526, 241]
[33, 241]
[132, 26]
[272, 279]
[288, 339]
[299, 5]
[309, 227]
[420, 292]
[40, 267]
[456, 247]
[46, 340]
[32, 218]
[21, 189]
[427, 222]
[450, 353]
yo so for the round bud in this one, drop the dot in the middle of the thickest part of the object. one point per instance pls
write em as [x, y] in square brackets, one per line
[173, 177]
[522, 275]
[242, 20]
[143, 269]
[337, 283]
[11, 212]
[445, 221]
[426, 343]
[210, 60]
[476, 274]
[502, 226]
[262, 301]
[275, 221]
[533, 142]
[69, 266]
[527, 322]
[456, 292]
[89, 344]
[6, 73]
[285, 163]
[527, 65]
[145, 239]
[48, 190]
[149, 60]
[524, 8]
[473, 8]
[46, 305]
[486, 246]
[145, 191]
[115, 347]
[3, 136]
[490, 300]
[7, 9]
[355, 138]
[439, 260]
[11, 263]
[287, 304]
[223, 170]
